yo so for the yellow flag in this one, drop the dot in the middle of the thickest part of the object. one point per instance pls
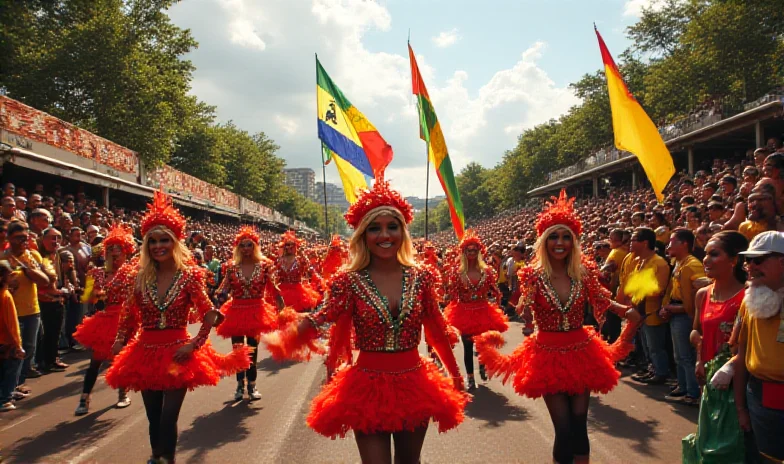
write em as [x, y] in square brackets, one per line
[633, 128]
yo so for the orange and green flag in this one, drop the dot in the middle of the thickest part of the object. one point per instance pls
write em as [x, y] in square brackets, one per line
[430, 132]
[634, 130]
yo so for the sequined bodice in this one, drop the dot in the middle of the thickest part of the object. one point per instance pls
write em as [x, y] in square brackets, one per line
[377, 329]
[185, 302]
[293, 273]
[463, 290]
[251, 286]
[549, 313]
[120, 286]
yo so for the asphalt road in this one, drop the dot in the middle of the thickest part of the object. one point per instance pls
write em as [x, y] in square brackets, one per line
[632, 424]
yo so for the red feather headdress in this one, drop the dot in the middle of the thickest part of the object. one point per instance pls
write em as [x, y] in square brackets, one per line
[161, 212]
[290, 237]
[247, 233]
[120, 234]
[336, 242]
[559, 211]
[470, 238]
[380, 195]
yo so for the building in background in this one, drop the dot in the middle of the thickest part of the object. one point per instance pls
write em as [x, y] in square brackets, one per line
[335, 195]
[303, 180]
[419, 203]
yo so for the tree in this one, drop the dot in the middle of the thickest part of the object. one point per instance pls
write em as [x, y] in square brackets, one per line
[113, 67]
[201, 153]
[473, 192]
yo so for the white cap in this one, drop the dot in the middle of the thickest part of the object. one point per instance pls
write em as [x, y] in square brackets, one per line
[765, 243]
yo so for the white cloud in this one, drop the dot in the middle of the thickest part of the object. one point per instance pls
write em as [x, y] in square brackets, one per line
[273, 91]
[288, 124]
[634, 7]
[446, 38]
[241, 27]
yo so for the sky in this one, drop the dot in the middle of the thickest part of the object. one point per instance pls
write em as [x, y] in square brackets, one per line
[493, 68]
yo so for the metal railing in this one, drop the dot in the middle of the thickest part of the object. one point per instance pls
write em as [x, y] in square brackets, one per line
[696, 120]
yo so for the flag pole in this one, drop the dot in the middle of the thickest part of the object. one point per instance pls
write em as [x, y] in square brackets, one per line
[324, 184]
[427, 189]
[323, 166]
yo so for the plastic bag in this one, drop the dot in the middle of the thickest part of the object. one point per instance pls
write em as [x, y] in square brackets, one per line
[719, 438]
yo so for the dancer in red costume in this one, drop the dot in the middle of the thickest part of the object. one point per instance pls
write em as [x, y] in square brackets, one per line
[391, 392]
[469, 310]
[112, 284]
[562, 361]
[164, 361]
[336, 257]
[292, 273]
[248, 282]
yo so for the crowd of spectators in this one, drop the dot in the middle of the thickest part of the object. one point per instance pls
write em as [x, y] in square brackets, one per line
[49, 239]
[629, 230]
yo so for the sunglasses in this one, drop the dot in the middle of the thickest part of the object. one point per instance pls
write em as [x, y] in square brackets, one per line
[760, 259]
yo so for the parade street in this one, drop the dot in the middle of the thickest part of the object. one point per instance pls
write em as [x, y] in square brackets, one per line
[632, 424]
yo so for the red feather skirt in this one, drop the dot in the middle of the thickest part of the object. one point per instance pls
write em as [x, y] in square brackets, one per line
[98, 332]
[301, 297]
[386, 392]
[553, 362]
[476, 317]
[247, 317]
[147, 363]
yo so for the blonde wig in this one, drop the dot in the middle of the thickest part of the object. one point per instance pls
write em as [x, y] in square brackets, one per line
[256, 258]
[480, 262]
[148, 267]
[574, 261]
[359, 255]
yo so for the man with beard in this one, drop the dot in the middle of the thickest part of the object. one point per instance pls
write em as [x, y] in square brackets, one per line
[759, 367]
[762, 211]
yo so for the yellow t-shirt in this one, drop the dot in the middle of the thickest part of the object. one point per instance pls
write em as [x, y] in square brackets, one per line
[9, 324]
[616, 256]
[764, 355]
[751, 229]
[682, 283]
[655, 262]
[26, 294]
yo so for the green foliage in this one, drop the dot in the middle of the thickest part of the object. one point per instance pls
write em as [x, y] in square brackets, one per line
[687, 54]
[113, 67]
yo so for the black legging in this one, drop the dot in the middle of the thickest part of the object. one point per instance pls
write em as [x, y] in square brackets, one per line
[163, 410]
[252, 373]
[569, 414]
[468, 353]
[91, 376]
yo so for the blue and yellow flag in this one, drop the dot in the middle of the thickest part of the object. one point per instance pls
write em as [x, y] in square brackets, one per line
[348, 138]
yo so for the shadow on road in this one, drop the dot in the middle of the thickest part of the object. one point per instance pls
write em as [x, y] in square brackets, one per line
[74, 434]
[494, 408]
[272, 366]
[618, 423]
[72, 388]
[658, 392]
[211, 431]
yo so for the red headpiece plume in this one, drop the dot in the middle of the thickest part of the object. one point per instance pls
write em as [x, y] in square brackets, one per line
[380, 195]
[161, 212]
[559, 211]
[470, 238]
[290, 237]
[336, 242]
[120, 234]
[247, 233]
